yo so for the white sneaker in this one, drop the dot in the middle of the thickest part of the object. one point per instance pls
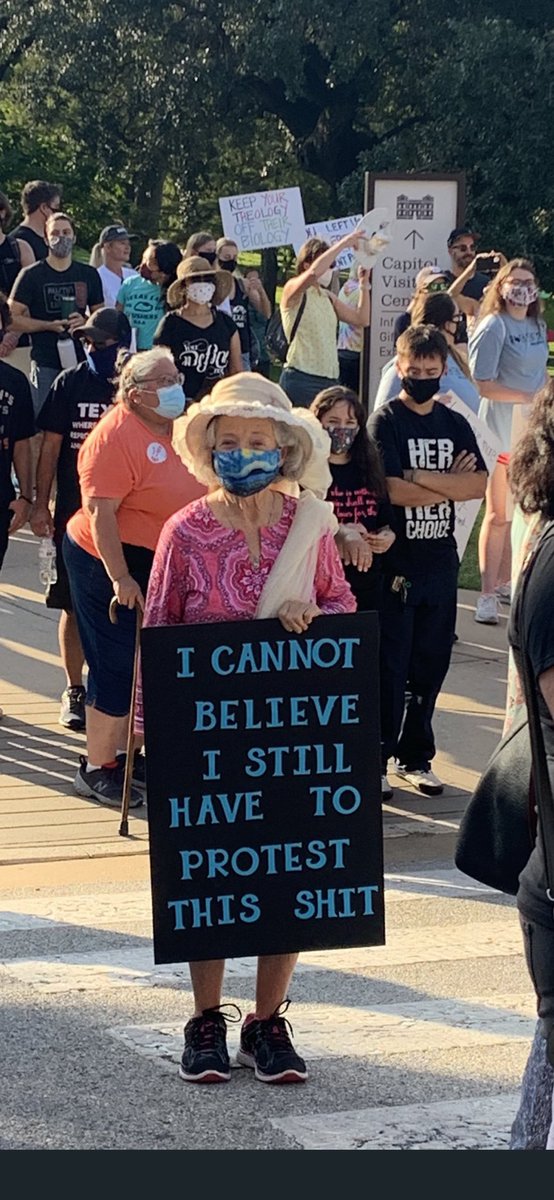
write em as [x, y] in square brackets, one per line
[486, 610]
[504, 593]
[425, 781]
[386, 790]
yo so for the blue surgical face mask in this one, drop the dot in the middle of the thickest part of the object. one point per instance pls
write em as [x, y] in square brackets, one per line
[244, 472]
[171, 401]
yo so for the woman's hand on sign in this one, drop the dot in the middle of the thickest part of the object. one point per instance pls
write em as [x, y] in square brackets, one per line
[297, 615]
[127, 592]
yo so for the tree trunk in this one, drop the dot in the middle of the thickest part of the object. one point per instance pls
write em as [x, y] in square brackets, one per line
[148, 193]
[269, 273]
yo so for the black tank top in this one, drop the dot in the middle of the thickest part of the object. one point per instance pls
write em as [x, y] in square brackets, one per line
[241, 316]
[10, 263]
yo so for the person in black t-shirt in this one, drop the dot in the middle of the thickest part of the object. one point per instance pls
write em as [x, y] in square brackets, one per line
[16, 430]
[77, 400]
[15, 253]
[431, 460]
[358, 494]
[39, 200]
[204, 342]
[531, 632]
[38, 298]
[241, 300]
[467, 282]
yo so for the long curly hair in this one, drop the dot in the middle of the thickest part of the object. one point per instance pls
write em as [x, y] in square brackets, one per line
[364, 453]
[531, 470]
[493, 300]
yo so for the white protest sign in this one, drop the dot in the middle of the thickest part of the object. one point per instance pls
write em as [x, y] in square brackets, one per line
[489, 445]
[423, 212]
[332, 231]
[262, 219]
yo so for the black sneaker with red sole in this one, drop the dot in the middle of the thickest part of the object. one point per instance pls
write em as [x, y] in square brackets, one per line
[265, 1045]
[205, 1057]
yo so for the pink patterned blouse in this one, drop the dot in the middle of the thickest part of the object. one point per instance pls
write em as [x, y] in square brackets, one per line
[202, 572]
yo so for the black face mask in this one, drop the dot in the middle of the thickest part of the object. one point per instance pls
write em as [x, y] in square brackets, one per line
[209, 255]
[229, 265]
[420, 390]
[104, 358]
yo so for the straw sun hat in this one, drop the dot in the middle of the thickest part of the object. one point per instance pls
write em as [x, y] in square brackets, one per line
[251, 395]
[193, 268]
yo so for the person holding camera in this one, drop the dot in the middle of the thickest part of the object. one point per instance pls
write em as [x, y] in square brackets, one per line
[508, 352]
[49, 300]
[468, 277]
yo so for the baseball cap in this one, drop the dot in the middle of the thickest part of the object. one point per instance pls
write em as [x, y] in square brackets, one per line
[114, 233]
[106, 323]
[461, 231]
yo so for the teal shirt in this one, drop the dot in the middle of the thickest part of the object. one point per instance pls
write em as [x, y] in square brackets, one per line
[141, 302]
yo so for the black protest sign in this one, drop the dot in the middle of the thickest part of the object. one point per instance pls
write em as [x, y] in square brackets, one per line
[264, 788]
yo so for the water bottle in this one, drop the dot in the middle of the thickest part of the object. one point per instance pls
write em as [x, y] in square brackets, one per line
[47, 561]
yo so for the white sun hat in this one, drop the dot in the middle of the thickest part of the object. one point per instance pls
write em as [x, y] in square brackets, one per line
[249, 394]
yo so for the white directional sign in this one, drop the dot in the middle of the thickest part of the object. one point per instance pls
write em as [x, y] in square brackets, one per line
[423, 212]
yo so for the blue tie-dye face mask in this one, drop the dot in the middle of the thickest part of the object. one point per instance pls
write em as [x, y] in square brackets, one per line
[244, 472]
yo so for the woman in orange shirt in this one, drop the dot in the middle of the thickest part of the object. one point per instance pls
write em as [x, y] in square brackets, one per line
[131, 482]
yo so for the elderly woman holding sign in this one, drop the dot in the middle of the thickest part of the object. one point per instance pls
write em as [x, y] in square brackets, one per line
[248, 549]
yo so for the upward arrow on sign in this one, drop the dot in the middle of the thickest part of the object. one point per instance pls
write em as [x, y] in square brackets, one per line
[413, 234]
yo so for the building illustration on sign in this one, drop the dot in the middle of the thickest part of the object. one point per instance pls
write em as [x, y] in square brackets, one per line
[419, 210]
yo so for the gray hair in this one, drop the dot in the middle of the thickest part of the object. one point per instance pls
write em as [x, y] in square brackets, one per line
[138, 367]
[285, 436]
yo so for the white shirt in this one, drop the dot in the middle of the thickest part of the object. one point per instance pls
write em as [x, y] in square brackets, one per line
[111, 283]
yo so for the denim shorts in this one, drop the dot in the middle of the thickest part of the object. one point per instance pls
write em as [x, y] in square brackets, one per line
[109, 649]
[301, 388]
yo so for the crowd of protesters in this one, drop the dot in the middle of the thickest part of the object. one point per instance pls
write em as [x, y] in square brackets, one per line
[143, 394]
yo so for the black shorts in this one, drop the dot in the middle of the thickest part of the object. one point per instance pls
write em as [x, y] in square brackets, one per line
[58, 594]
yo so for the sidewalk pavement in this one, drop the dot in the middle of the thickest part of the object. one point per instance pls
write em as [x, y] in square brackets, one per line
[42, 821]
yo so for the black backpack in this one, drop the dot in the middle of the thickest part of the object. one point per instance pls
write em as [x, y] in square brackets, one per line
[275, 338]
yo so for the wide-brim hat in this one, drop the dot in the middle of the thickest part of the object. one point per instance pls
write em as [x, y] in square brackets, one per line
[188, 270]
[248, 394]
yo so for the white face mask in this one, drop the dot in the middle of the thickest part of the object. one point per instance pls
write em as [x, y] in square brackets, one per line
[200, 293]
[325, 279]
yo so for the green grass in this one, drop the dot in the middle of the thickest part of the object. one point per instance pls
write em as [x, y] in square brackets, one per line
[469, 567]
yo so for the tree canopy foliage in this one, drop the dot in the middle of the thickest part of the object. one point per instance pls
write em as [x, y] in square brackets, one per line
[148, 110]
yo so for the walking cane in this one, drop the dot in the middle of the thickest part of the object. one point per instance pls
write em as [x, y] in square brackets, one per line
[129, 756]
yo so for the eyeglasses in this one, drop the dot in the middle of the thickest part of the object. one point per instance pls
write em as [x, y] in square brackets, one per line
[165, 381]
[470, 248]
[200, 278]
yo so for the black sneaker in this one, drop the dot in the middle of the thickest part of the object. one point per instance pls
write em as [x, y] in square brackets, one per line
[139, 769]
[105, 785]
[72, 711]
[205, 1058]
[266, 1046]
